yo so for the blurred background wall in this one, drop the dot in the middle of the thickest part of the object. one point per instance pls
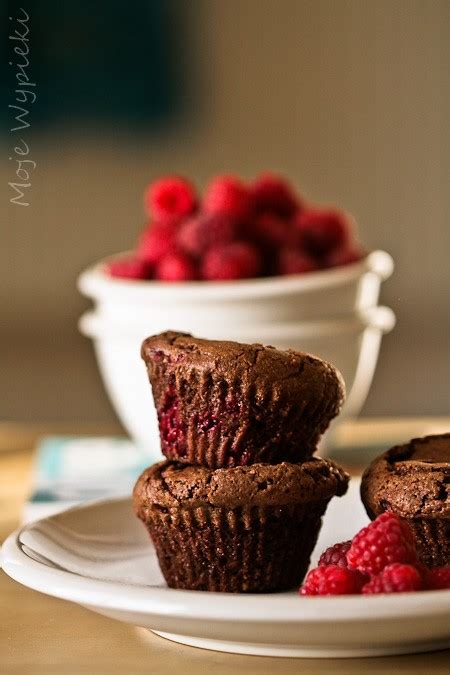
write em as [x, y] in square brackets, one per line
[349, 98]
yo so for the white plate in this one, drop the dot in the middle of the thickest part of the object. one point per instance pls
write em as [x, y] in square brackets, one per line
[99, 556]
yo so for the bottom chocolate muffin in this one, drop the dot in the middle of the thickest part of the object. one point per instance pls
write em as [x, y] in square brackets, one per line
[248, 529]
[413, 481]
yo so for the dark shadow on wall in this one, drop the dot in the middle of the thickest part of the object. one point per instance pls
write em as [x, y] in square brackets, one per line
[124, 64]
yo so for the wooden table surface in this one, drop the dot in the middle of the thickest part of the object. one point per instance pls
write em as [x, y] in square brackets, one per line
[40, 635]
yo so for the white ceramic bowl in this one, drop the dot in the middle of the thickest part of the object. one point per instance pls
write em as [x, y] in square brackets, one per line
[351, 343]
[197, 306]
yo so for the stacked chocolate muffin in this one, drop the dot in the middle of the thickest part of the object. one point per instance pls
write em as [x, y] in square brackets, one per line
[238, 504]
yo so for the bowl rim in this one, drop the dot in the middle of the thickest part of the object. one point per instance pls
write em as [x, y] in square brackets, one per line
[92, 324]
[94, 282]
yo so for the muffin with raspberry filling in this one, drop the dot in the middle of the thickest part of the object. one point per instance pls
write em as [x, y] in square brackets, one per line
[226, 404]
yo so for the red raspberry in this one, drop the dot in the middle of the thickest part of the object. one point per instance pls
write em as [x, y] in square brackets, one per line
[129, 268]
[323, 230]
[387, 540]
[175, 266]
[294, 261]
[395, 578]
[170, 197]
[437, 578]
[155, 242]
[272, 193]
[332, 580]
[335, 555]
[270, 230]
[233, 261]
[344, 255]
[227, 194]
[190, 236]
[221, 229]
[199, 233]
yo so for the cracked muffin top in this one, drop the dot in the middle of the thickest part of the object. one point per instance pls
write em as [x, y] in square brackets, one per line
[413, 480]
[169, 484]
[290, 370]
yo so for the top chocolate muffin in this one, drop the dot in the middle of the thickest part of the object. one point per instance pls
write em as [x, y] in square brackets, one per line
[224, 404]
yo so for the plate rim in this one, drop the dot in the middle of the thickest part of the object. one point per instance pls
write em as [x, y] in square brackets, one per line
[198, 605]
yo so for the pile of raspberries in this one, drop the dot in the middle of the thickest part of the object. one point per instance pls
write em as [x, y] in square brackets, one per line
[237, 231]
[381, 558]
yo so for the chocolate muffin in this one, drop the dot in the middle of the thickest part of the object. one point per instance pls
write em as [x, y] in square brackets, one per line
[413, 481]
[225, 404]
[243, 530]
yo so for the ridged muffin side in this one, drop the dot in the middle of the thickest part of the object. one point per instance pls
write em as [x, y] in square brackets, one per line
[244, 529]
[225, 404]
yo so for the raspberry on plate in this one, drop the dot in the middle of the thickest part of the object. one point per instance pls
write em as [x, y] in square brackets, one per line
[333, 580]
[335, 555]
[227, 194]
[388, 539]
[175, 266]
[323, 230]
[156, 241]
[170, 197]
[437, 578]
[395, 578]
[274, 194]
[238, 260]
[129, 268]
